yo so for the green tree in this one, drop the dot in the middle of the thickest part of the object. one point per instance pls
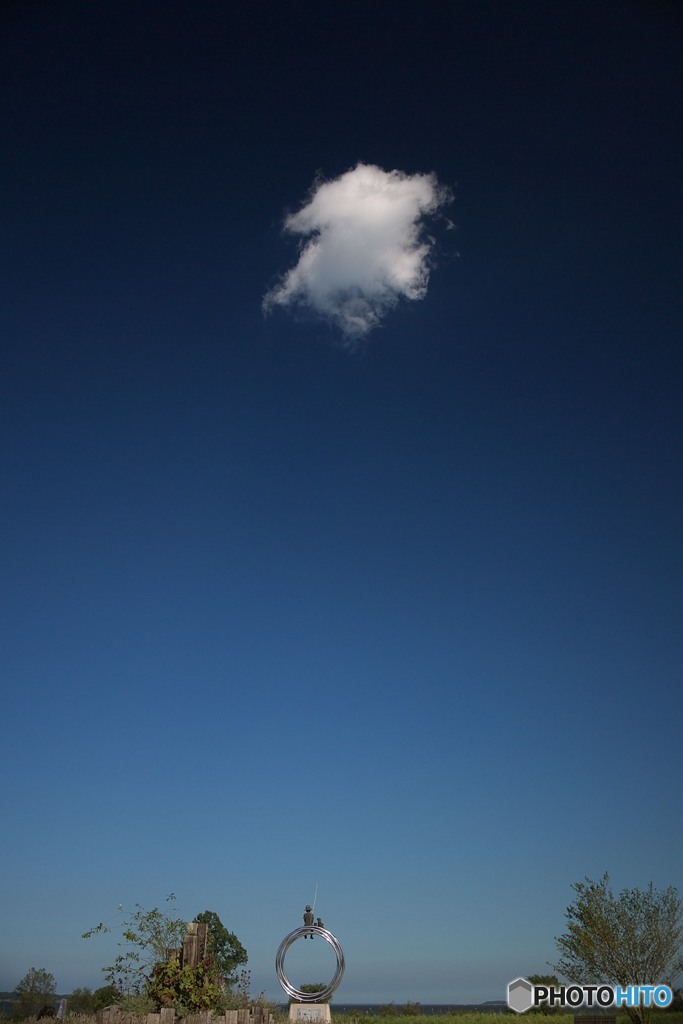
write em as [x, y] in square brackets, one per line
[36, 989]
[85, 1001]
[82, 1000]
[150, 937]
[107, 995]
[633, 938]
[225, 949]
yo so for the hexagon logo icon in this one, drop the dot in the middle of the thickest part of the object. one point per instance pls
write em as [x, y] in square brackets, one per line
[520, 996]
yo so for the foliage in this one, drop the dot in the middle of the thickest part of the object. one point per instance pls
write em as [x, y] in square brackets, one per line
[36, 989]
[149, 966]
[350, 1015]
[402, 1010]
[311, 988]
[185, 988]
[85, 1001]
[226, 950]
[107, 995]
[453, 1017]
[82, 1000]
[137, 1006]
[633, 938]
[150, 937]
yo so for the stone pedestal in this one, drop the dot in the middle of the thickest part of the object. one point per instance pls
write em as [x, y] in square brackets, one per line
[310, 1013]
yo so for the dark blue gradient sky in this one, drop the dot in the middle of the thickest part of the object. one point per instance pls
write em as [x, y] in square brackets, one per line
[404, 621]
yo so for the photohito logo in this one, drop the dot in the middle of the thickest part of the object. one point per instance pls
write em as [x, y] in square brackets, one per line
[522, 995]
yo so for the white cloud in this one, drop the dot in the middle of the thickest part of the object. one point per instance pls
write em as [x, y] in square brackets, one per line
[366, 247]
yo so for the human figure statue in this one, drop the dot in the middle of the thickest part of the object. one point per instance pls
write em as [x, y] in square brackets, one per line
[308, 919]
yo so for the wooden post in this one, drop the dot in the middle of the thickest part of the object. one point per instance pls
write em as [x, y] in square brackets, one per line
[202, 941]
[191, 946]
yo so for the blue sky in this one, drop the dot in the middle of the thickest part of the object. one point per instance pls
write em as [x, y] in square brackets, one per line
[398, 615]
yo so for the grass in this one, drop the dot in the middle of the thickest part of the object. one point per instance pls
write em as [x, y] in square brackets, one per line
[456, 1017]
[508, 1017]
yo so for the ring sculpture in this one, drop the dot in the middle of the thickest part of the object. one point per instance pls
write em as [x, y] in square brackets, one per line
[295, 993]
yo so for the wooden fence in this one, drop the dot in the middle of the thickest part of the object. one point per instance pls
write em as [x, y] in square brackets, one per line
[248, 1015]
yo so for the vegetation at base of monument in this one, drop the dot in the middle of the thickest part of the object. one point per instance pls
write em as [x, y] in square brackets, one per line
[148, 970]
[633, 938]
[311, 987]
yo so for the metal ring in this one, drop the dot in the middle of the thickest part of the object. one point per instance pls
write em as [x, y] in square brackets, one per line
[295, 993]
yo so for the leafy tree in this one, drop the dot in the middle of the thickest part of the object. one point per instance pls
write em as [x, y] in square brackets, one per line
[82, 1000]
[225, 949]
[36, 989]
[633, 938]
[150, 938]
[85, 1001]
[107, 995]
[149, 966]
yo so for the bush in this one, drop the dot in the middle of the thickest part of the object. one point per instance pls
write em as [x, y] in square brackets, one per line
[185, 988]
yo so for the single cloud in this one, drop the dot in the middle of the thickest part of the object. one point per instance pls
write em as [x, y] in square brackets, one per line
[366, 248]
